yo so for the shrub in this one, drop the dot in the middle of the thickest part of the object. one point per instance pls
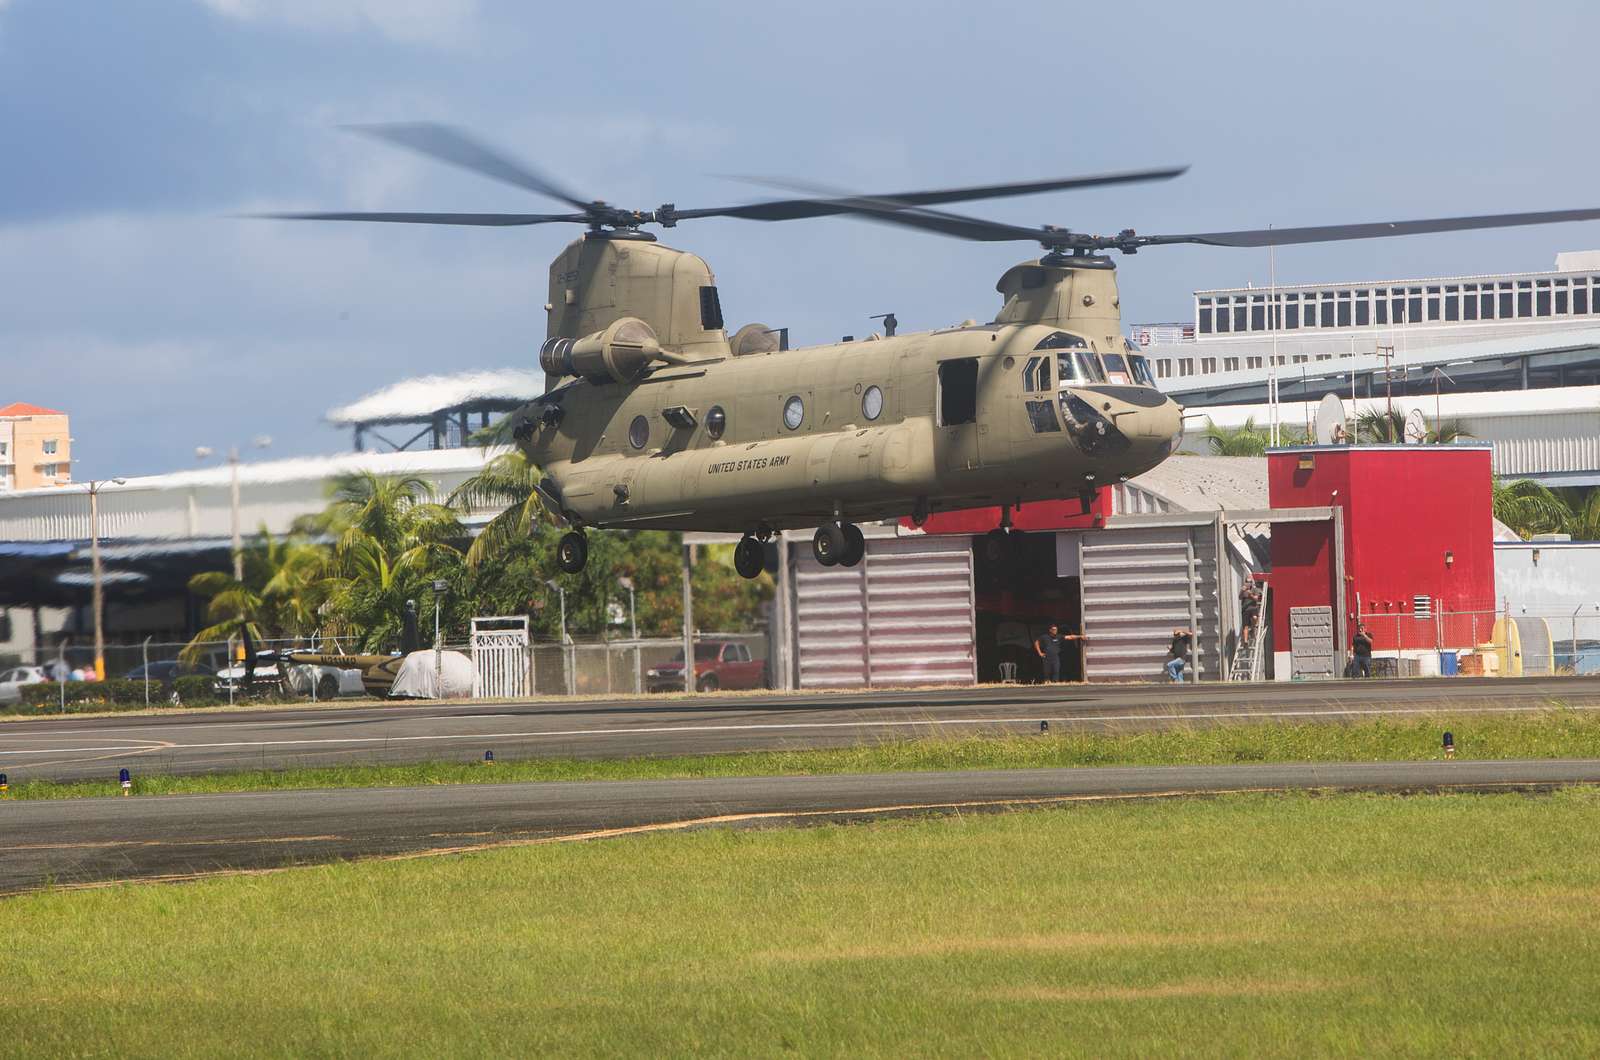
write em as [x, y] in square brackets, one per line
[197, 690]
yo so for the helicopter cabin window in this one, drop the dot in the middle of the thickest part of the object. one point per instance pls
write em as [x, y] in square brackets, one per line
[1117, 369]
[1042, 415]
[716, 422]
[958, 391]
[1141, 369]
[872, 403]
[1036, 374]
[710, 309]
[639, 432]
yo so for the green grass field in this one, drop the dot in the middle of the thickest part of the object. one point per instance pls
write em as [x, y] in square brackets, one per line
[1247, 925]
[1556, 733]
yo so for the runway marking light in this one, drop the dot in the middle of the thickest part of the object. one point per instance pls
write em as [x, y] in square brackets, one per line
[125, 780]
[1449, 745]
[488, 758]
[4, 787]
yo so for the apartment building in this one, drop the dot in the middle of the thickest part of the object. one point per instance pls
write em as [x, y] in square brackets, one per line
[35, 447]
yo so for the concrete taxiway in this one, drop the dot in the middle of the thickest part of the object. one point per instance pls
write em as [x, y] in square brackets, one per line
[195, 742]
[86, 841]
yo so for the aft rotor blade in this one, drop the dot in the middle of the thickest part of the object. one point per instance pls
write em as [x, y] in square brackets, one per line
[458, 149]
[1278, 237]
[834, 202]
[496, 220]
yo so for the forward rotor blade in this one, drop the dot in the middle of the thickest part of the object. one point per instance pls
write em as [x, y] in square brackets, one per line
[455, 147]
[497, 220]
[1278, 237]
[833, 201]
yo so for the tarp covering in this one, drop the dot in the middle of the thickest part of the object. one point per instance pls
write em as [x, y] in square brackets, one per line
[417, 676]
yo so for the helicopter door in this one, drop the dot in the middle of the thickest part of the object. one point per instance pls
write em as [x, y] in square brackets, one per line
[958, 426]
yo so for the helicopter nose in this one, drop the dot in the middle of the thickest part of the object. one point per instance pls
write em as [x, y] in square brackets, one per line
[1138, 427]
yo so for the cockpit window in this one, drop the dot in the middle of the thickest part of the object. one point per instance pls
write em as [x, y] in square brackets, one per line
[1117, 369]
[1060, 340]
[1141, 370]
[1079, 366]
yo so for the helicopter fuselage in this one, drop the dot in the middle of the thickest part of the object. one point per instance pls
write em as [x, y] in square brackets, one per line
[968, 416]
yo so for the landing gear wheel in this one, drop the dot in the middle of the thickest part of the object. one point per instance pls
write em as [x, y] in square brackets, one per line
[749, 557]
[855, 546]
[327, 687]
[572, 552]
[829, 544]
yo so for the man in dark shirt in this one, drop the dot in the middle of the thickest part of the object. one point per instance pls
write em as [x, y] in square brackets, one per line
[1361, 653]
[1249, 608]
[1178, 654]
[1048, 648]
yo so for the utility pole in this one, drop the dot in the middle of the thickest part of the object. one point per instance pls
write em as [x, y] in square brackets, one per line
[204, 452]
[1387, 353]
[633, 625]
[567, 658]
[688, 620]
[99, 588]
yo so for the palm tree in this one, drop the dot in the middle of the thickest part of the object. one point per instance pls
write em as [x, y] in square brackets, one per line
[1244, 440]
[1528, 507]
[508, 484]
[277, 596]
[391, 542]
[1582, 516]
[1381, 425]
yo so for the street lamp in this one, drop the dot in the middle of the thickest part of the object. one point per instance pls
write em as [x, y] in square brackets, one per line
[566, 662]
[99, 591]
[204, 452]
[440, 587]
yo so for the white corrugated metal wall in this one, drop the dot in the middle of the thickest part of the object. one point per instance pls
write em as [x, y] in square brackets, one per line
[903, 616]
[1138, 586]
[1549, 443]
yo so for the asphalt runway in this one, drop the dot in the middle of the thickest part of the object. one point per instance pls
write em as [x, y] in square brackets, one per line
[198, 742]
[170, 837]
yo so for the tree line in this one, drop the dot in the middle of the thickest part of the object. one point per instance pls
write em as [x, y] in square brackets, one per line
[348, 571]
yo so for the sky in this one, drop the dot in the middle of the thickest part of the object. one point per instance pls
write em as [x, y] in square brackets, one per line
[134, 133]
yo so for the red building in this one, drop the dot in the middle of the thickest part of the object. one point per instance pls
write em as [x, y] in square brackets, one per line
[1417, 537]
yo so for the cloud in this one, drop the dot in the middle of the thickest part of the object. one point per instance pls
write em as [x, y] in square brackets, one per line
[410, 21]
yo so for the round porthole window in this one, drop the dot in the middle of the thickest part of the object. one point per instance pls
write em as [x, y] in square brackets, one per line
[716, 422]
[872, 403]
[639, 432]
[794, 413]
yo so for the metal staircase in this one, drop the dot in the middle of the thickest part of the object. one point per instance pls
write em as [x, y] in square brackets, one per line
[1248, 658]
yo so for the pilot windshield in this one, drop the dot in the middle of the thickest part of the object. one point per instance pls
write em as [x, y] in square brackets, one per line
[1139, 365]
[1074, 361]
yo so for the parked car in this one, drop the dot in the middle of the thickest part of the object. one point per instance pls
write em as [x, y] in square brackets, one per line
[717, 664]
[328, 682]
[11, 682]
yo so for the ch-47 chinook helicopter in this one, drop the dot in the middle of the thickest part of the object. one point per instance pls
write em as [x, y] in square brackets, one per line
[654, 417]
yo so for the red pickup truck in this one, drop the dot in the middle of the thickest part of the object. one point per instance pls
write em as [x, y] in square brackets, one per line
[717, 664]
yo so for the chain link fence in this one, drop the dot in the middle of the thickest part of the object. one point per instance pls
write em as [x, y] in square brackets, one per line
[583, 666]
[1504, 641]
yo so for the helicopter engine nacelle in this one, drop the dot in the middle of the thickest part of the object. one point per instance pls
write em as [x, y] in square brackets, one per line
[616, 355]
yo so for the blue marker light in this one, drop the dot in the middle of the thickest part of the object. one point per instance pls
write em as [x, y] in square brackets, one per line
[125, 780]
[4, 786]
[488, 758]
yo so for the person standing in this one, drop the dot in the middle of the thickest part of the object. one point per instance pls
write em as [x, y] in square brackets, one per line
[1178, 654]
[1048, 648]
[1249, 609]
[1361, 653]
